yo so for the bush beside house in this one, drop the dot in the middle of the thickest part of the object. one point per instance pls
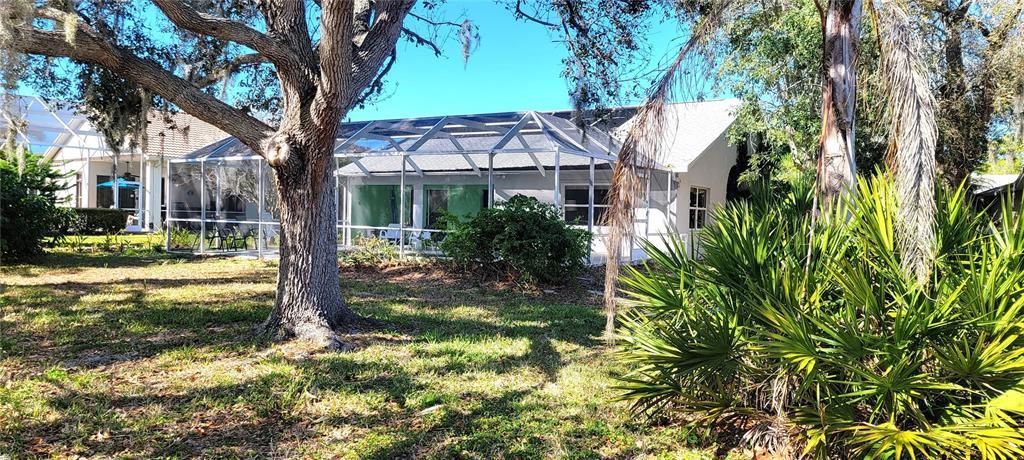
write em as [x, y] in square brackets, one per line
[28, 208]
[99, 221]
[521, 236]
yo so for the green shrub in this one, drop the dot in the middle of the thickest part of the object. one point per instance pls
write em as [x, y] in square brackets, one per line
[184, 238]
[28, 208]
[522, 236]
[100, 221]
[372, 252]
[841, 355]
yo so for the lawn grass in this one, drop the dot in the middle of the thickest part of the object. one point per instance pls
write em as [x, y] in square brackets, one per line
[154, 357]
[128, 238]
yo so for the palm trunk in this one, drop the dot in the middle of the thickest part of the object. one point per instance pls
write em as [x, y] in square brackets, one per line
[838, 168]
[308, 304]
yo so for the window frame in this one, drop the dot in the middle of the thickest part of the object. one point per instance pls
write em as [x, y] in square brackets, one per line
[586, 187]
[694, 209]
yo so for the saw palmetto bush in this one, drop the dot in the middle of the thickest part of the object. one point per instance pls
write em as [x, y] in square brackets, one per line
[815, 343]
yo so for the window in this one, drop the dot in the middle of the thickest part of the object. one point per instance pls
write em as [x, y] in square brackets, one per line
[577, 200]
[698, 207]
[104, 195]
[461, 201]
[378, 205]
[437, 203]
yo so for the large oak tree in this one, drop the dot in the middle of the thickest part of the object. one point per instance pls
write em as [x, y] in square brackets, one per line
[321, 58]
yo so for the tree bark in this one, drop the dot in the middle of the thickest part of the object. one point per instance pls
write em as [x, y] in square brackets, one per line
[308, 305]
[837, 167]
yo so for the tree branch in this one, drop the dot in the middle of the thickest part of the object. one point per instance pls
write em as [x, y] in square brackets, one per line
[419, 40]
[434, 23]
[335, 50]
[361, 19]
[286, 23]
[230, 68]
[519, 13]
[379, 43]
[90, 48]
[378, 82]
[225, 29]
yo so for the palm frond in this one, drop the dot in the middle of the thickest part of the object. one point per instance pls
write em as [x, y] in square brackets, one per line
[913, 133]
[643, 150]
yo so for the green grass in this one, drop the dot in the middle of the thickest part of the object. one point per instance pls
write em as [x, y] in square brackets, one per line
[129, 238]
[154, 357]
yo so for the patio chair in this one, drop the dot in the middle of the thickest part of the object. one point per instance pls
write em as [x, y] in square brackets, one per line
[392, 234]
[421, 240]
[216, 238]
[239, 240]
[193, 229]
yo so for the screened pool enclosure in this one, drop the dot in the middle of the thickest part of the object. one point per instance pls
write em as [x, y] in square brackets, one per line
[395, 178]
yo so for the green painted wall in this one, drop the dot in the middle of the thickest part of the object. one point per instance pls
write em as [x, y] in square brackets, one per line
[377, 205]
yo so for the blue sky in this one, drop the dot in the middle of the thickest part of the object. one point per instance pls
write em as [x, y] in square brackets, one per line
[518, 66]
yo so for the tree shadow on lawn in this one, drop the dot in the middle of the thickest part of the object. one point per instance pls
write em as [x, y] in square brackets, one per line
[263, 417]
[508, 315]
[88, 334]
[241, 419]
[254, 417]
[73, 262]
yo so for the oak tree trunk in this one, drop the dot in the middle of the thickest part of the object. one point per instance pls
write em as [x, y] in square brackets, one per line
[308, 305]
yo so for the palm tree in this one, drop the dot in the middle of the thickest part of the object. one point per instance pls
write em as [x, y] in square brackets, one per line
[910, 112]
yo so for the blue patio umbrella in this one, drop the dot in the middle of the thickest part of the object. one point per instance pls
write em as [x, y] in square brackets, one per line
[121, 183]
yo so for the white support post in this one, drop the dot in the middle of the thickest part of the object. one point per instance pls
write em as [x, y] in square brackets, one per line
[490, 180]
[218, 201]
[259, 210]
[337, 201]
[88, 185]
[558, 181]
[401, 211]
[202, 207]
[669, 221]
[590, 210]
[348, 211]
[140, 195]
[167, 209]
[115, 188]
[590, 199]
[647, 204]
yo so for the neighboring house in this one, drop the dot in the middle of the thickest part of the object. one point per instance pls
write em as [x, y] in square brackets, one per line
[451, 164]
[74, 147]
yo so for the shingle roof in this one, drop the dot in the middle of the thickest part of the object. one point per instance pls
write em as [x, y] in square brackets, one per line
[176, 135]
[691, 128]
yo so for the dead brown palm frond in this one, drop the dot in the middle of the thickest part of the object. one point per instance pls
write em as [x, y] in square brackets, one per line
[912, 132]
[642, 151]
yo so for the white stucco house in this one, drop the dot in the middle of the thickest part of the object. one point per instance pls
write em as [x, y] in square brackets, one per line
[461, 164]
[194, 178]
